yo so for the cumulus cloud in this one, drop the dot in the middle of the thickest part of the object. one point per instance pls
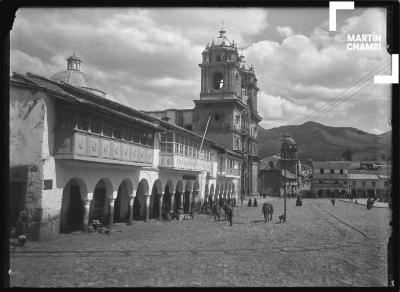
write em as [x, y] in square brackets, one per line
[284, 31]
[146, 57]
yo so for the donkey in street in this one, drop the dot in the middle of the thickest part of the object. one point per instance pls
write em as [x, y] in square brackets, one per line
[267, 210]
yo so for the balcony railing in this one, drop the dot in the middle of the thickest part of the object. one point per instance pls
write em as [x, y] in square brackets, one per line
[86, 146]
[229, 172]
[181, 162]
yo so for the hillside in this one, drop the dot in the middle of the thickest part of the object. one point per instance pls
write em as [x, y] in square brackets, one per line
[320, 142]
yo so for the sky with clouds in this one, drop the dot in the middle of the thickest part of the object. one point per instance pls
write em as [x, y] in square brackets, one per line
[148, 58]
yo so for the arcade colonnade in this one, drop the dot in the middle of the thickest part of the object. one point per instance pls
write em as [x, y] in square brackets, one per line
[117, 195]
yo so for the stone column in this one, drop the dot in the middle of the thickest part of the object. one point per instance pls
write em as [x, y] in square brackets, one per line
[147, 215]
[161, 201]
[86, 208]
[190, 202]
[111, 212]
[172, 201]
[181, 204]
[130, 210]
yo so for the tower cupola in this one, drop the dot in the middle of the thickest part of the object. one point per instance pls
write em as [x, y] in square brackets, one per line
[73, 63]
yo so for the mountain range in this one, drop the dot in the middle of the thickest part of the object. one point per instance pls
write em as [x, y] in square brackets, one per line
[322, 143]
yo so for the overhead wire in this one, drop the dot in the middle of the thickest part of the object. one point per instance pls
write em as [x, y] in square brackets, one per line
[345, 94]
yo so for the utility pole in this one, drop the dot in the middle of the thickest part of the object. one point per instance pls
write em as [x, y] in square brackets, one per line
[284, 178]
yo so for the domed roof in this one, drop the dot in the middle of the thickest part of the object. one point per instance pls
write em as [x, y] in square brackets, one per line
[75, 77]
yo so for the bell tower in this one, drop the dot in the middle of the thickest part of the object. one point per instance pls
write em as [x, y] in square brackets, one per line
[220, 69]
[228, 102]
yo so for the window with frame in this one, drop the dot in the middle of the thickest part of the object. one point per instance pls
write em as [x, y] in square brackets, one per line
[354, 183]
[126, 134]
[107, 128]
[363, 182]
[332, 171]
[321, 171]
[150, 139]
[341, 171]
[83, 121]
[117, 131]
[143, 138]
[135, 138]
[374, 183]
[386, 183]
[95, 125]
[336, 182]
[65, 118]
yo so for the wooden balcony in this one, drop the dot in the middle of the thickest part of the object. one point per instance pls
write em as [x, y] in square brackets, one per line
[90, 147]
[181, 162]
[229, 173]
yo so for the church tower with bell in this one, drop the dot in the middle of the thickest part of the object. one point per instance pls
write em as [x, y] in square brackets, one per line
[228, 104]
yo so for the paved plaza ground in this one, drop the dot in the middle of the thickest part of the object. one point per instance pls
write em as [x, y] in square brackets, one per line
[319, 245]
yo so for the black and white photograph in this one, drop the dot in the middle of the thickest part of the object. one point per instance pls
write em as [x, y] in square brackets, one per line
[228, 146]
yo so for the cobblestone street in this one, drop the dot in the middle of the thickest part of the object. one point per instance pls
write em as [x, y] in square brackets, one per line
[319, 245]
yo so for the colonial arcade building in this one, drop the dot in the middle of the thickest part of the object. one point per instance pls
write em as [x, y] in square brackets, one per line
[76, 156]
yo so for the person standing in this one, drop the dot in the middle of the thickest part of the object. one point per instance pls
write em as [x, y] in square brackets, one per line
[249, 204]
[333, 201]
[230, 213]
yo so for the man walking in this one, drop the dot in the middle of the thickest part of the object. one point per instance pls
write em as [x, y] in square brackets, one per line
[230, 213]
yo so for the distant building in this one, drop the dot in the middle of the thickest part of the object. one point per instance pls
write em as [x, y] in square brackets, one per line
[351, 178]
[282, 171]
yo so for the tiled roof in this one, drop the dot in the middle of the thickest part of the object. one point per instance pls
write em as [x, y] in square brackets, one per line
[331, 164]
[67, 91]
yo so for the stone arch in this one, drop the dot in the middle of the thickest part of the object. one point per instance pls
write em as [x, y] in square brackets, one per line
[178, 197]
[139, 204]
[99, 207]
[196, 200]
[168, 196]
[187, 195]
[121, 204]
[155, 199]
[72, 208]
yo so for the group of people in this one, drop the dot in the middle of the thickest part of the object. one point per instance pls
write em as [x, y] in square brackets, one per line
[228, 209]
[252, 204]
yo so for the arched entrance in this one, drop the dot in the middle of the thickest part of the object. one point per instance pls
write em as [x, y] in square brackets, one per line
[121, 204]
[168, 196]
[186, 196]
[99, 208]
[155, 199]
[139, 204]
[71, 214]
[178, 204]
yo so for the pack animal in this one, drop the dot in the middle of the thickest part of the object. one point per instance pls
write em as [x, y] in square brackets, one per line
[282, 219]
[267, 210]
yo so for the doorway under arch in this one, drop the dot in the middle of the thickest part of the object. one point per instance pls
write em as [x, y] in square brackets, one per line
[121, 204]
[71, 215]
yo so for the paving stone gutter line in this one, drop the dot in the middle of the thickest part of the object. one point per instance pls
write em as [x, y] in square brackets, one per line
[364, 203]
